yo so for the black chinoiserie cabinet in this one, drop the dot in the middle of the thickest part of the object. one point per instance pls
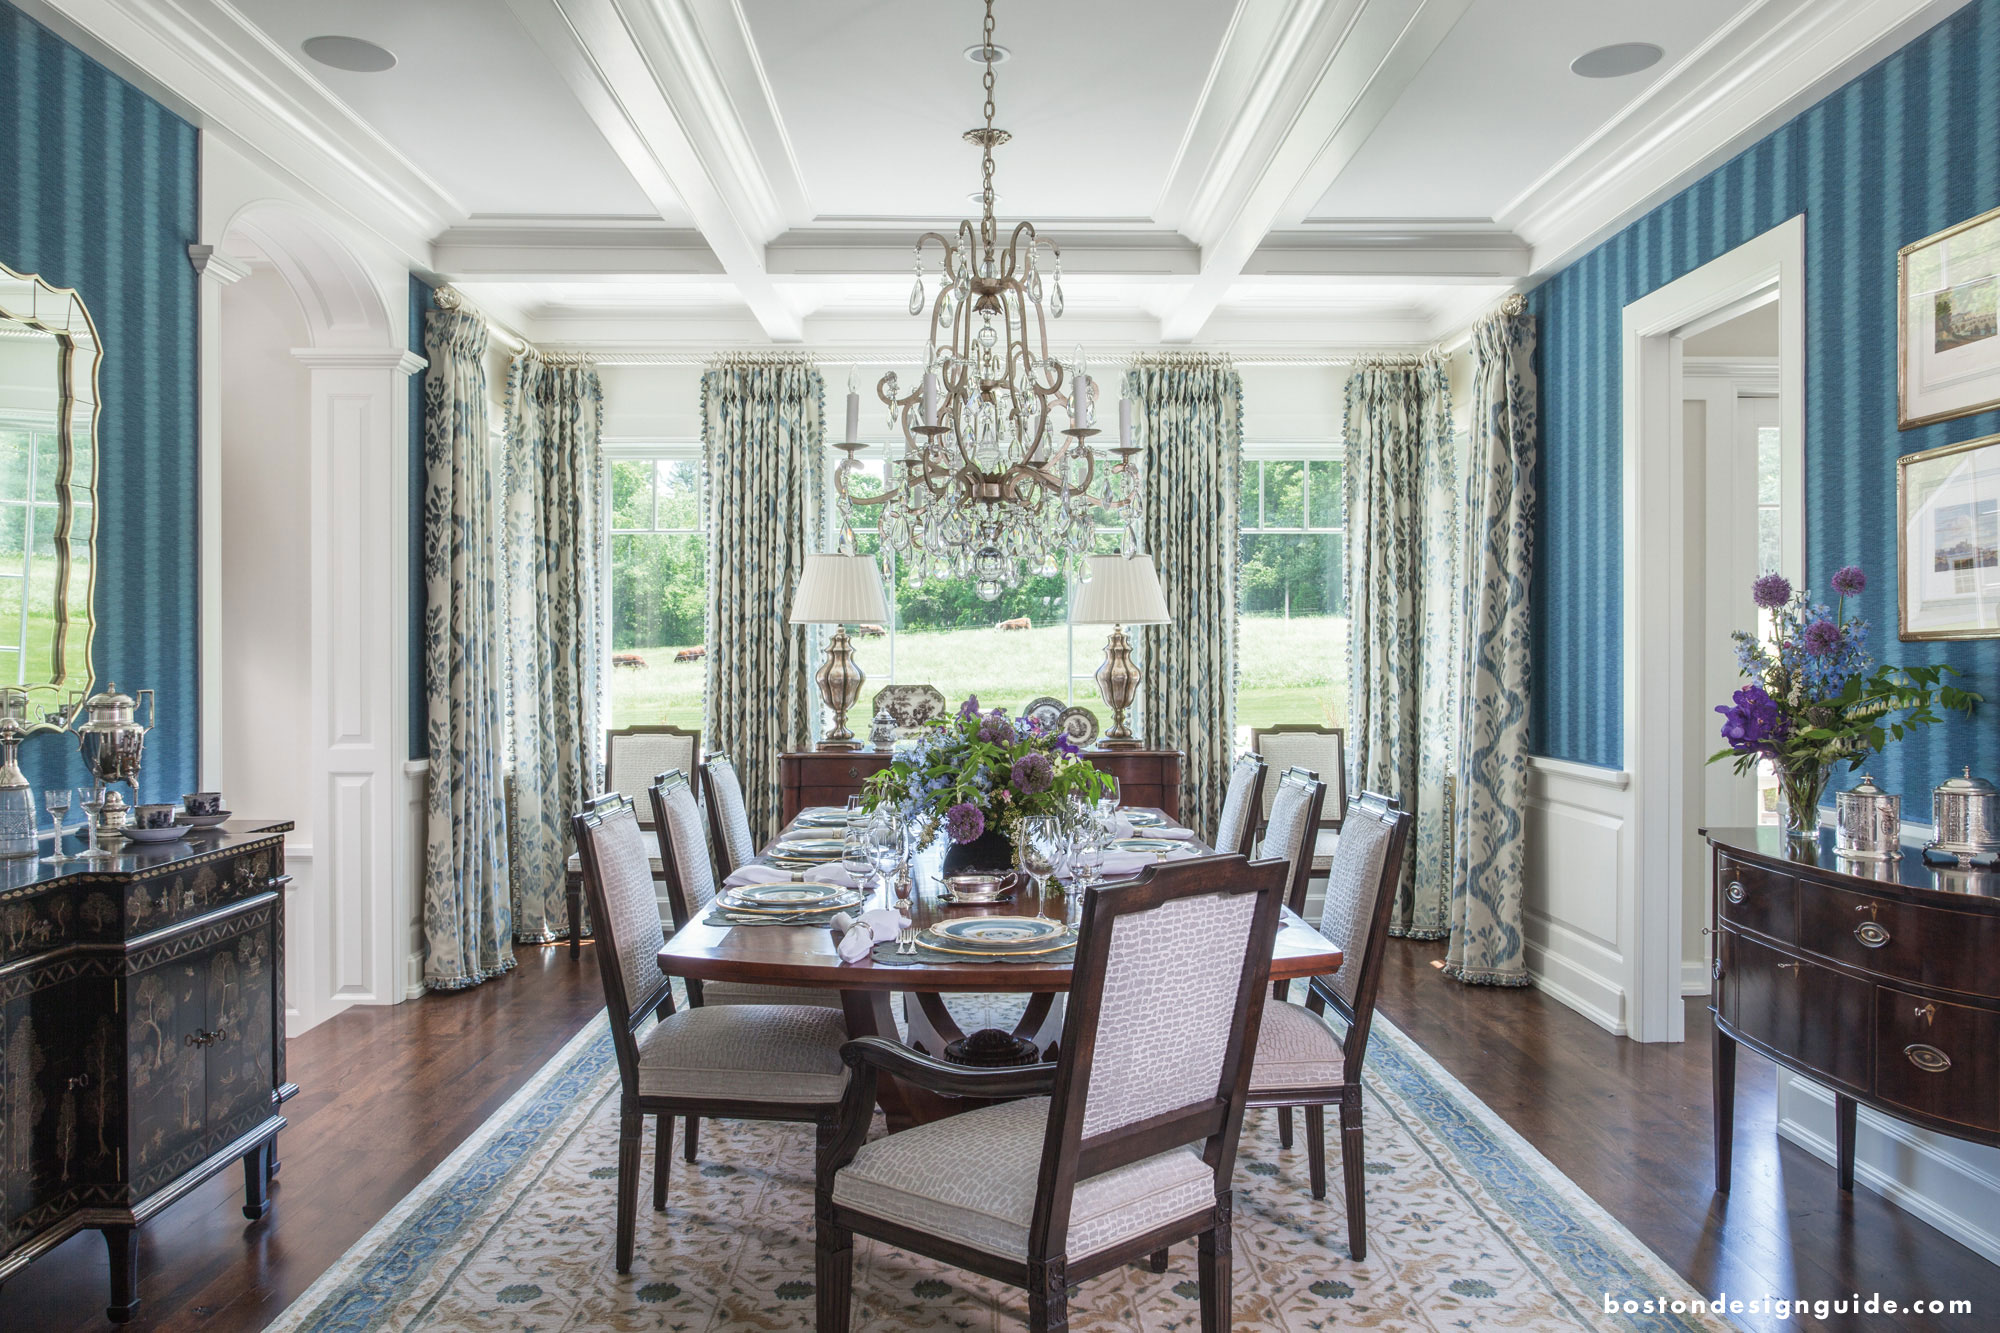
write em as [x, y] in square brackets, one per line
[142, 1041]
[1880, 980]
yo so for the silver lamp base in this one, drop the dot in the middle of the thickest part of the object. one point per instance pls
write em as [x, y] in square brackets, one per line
[1118, 685]
[840, 679]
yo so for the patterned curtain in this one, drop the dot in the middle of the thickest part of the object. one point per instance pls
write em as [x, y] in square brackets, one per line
[1486, 872]
[1397, 430]
[553, 477]
[1422, 914]
[1190, 413]
[468, 921]
[761, 430]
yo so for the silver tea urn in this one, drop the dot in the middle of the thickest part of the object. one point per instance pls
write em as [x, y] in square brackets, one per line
[1868, 823]
[1965, 813]
[111, 737]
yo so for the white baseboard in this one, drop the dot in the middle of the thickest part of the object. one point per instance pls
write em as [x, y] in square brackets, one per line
[1951, 1184]
[413, 976]
[1596, 997]
[1694, 977]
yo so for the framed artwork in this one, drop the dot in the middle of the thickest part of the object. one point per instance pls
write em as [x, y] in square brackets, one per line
[1948, 323]
[1948, 544]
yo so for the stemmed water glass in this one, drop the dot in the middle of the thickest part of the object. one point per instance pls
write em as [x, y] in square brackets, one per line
[1087, 854]
[854, 854]
[1036, 837]
[56, 801]
[882, 842]
[1112, 797]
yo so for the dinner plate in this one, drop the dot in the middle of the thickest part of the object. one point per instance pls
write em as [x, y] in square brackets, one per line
[1146, 845]
[938, 947]
[789, 896]
[999, 934]
[823, 819]
[1145, 819]
[810, 849]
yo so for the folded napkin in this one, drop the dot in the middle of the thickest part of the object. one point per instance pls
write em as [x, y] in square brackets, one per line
[1167, 831]
[860, 934]
[1127, 863]
[756, 874]
[1121, 826]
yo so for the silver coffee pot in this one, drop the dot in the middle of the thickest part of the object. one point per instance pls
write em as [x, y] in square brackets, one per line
[111, 736]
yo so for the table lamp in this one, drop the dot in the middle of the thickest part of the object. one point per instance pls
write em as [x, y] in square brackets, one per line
[1123, 590]
[839, 590]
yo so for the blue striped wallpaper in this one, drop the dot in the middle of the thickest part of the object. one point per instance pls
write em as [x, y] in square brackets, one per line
[99, 191]
[1905, 150]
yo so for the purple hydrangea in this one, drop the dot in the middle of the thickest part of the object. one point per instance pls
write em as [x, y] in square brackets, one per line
[996, 729]
[1751, 722]
[1849, 581]
[1771, 591]
[1822, 638]
[1032, 774]
[964, 822]
[970, 708]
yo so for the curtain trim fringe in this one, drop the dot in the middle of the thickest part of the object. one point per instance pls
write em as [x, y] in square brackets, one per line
[1403, 933]
[1480, 977]
[467, 983]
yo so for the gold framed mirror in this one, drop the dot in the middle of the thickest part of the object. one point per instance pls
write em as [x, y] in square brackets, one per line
[49, 359]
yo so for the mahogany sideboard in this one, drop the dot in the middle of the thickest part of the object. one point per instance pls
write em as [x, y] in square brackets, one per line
[142, 1038]
[1880, 980]
[829, 777]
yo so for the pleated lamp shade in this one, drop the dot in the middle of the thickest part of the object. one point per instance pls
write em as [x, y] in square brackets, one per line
[840, 590]
[1123, 590]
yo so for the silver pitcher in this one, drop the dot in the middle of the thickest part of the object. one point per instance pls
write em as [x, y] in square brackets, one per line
[18, 829]
[111, 736]
[1965, 812]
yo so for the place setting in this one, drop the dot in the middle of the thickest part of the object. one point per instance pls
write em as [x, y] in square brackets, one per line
[972, 939]
[783, 904]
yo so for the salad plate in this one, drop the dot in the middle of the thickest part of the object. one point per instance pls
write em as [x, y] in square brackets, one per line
[1146, 844]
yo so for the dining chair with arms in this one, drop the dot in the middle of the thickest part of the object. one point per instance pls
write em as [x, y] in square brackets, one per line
[1324, 751]
[1119, 1149]
[1301, 1060]
[632, 755]
[749, 1062]
[1242, 801]
[728, 817]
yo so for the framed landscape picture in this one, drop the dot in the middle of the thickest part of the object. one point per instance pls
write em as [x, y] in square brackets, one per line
[1948, 545]
[1948, 323]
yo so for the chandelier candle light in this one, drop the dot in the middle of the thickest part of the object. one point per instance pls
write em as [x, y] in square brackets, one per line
[1122, 590]
[839, 590]
[987, 486]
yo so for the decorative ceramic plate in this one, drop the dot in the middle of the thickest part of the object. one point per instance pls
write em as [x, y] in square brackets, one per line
[1146, 845]
[1047, 710]
[810, 849]
[1079, 724]
[205, 821]
[789, 896]
[171, 833]
[999, 934]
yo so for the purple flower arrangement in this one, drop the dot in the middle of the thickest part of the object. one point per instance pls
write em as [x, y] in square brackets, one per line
[1816, 697]
[975, 773]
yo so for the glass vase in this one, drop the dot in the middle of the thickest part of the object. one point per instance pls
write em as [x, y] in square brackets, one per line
[1800, 787]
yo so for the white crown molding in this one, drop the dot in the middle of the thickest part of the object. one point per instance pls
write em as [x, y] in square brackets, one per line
[216, 267]
[1448, 256]
[236, 82]
[398, 359]
[1756, 372]
[570, 249]
[1763, 67]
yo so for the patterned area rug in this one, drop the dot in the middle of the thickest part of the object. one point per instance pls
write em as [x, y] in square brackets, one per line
[1470, 1228]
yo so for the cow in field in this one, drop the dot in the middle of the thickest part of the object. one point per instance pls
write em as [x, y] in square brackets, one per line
[632, 660]
[1019, 622]
[694, 654]
[870, 631]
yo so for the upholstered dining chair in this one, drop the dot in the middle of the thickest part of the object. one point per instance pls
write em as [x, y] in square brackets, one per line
[632, 755]
[1324, 751]
[1301, 1060]
[1121, 1148]
[1296, 802]
[728, 817]
[748, 1062]
[1242, 803]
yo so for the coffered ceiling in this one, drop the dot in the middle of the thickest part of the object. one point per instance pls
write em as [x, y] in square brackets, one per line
[1287, 174]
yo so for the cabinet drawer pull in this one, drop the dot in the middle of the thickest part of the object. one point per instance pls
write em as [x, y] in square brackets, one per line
[77, 1082]
[1927, 1058]
[1715, 969]
[1783, 966]
[1871, 935]
[203, 1037]
[1927, 1012]
[1735, 890]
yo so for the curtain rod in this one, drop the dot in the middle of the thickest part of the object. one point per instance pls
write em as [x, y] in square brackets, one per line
[891, 357]
[450, 298]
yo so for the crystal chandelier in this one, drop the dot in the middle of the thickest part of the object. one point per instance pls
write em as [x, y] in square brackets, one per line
[987, 486]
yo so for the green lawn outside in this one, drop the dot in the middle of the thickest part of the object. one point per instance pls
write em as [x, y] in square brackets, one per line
[1289, 671]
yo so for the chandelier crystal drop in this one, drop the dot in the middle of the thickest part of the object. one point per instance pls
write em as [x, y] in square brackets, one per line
[997, 479]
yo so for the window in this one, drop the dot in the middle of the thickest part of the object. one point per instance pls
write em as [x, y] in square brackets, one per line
[657, 586]
[1292, 623]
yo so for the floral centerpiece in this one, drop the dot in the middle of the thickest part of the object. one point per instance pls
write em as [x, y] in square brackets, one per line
[975, 776]
[1816, 698]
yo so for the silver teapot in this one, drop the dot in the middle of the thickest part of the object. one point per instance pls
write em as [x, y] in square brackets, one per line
[111, 737]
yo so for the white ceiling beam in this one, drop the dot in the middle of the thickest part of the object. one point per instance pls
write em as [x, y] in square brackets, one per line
[1391, 256]
[646, 77]
[1293, 97]
[571, 251]
[817, 252]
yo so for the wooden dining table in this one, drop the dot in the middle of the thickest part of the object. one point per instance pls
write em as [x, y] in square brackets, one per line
[805, 956]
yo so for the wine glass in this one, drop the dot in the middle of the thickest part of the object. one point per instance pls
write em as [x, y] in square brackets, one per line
[56, 801]
[854, 854]
[882, 843]
[1112, 796]
[1088, 855]
[1034, 837]
[1062, 863]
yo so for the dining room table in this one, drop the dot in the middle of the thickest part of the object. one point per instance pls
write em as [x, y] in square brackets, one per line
[715, 946]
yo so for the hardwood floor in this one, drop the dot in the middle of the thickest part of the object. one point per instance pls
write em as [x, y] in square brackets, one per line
[387, 1093]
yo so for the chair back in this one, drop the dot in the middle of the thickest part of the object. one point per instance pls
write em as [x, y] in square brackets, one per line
[1242, 801]
[1323, 750]
[618, 884]
[728, 818]
[1165, 997]
[632, 755]
[684, 852]
[1293, 828]
[1360, 893]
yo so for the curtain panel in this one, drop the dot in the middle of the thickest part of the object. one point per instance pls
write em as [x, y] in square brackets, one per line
[553, 483]
[1398, 440]
[1190, 416]
[762, 431]
[468, 919]
[1424, 914]
[1499, 495]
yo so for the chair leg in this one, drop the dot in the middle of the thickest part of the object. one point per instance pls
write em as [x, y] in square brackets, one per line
[1316, 1149]
[663, 1160]
[833, 1275]
[1158, 1263]
[1212, 1258]
[690, 1139]
[1353, 1172]
[630, 1126]
[1048, 1296]
[1284, 1126]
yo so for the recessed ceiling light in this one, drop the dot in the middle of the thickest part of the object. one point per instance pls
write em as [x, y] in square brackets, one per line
[349, 53]
[1617, 60]
[976, 53]
[979, 197]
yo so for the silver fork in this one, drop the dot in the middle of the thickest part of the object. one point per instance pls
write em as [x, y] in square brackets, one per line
[906, 940]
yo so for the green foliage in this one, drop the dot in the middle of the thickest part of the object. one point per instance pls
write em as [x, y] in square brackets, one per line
[969, 758]
[1862, 718]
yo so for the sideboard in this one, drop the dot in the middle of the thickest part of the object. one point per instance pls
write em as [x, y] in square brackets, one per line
[829, 777]
[1880, 980]
[142, 1041]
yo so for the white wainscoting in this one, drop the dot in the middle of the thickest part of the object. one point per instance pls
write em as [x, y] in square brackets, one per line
[414, 816]
[1951, 1184]
[1579, 872]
